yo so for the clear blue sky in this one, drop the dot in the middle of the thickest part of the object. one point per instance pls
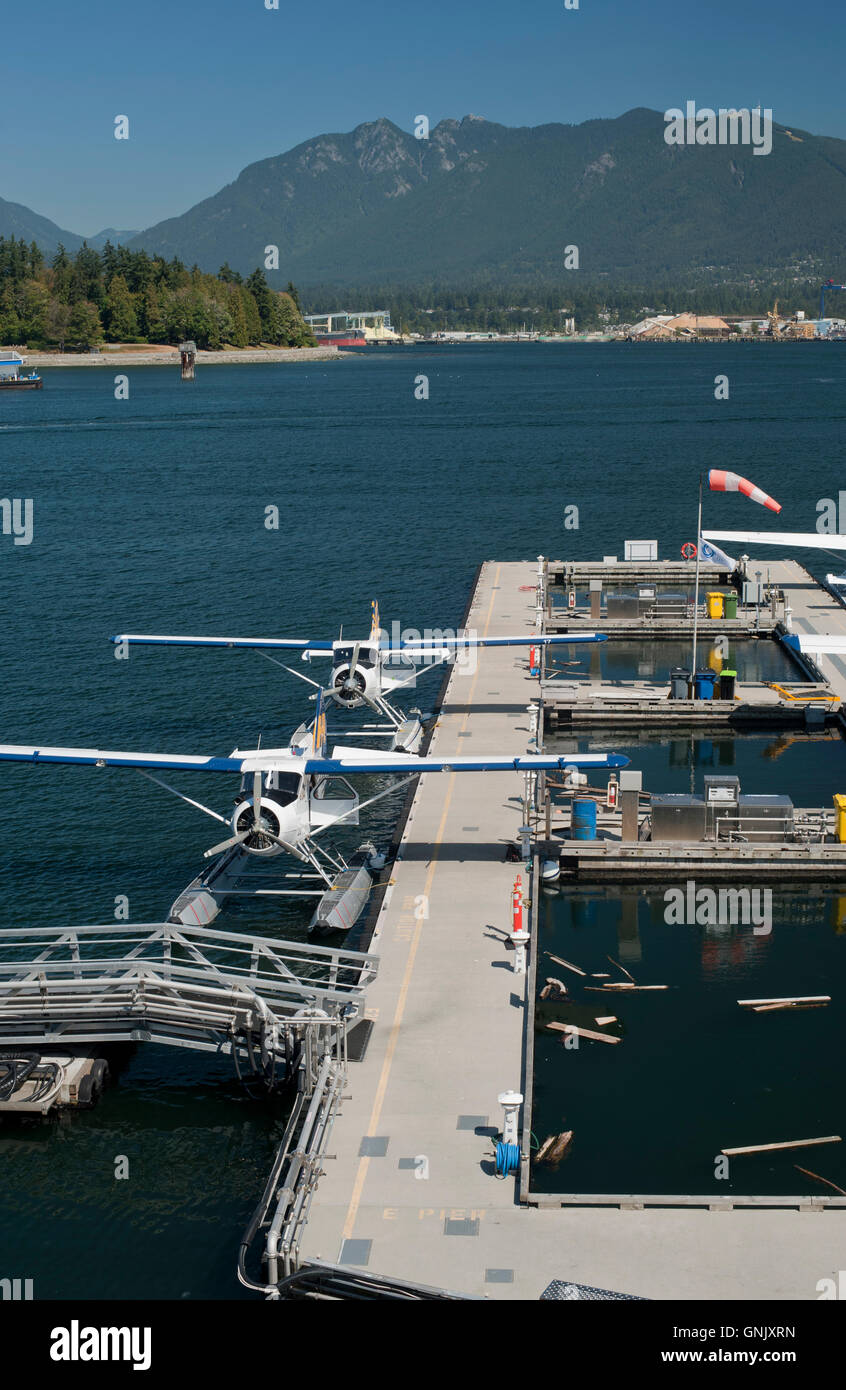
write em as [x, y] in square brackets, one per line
[211, 86]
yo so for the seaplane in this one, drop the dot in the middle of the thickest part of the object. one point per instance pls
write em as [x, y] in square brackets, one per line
[288, 798]
[362, 673]
[812, 643]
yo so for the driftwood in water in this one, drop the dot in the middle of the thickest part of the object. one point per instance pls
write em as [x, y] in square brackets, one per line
[788, 1144]
[553, 1149]
[621, 967]
[785, 1002]
[817, 1177]
[582, 1032]
[620, 985]
[553, 988]
[606, 1018]
[788, 1006]
[567, 966]
[599, 975]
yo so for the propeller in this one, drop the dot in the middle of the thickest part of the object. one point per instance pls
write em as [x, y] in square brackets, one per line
[349, 683]
[256, 828]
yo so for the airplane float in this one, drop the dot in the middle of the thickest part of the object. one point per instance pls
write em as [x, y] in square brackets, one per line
[288, 798]
[360, 669]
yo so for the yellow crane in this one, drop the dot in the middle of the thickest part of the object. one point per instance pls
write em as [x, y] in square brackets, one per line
[774, 320]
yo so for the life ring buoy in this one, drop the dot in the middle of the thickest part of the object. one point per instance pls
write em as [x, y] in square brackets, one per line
[688, 550]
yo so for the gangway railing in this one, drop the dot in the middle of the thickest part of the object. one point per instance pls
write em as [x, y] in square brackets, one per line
[262, 1000]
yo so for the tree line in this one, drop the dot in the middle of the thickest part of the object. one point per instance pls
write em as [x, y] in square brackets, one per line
[436, 308]
[122, 296]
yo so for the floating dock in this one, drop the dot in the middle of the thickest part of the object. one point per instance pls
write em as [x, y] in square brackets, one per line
[410, 1189]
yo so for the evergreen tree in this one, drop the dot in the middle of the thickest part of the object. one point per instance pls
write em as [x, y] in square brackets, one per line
[84, 328]
[240, 334]
[121, 323]
[152, 317]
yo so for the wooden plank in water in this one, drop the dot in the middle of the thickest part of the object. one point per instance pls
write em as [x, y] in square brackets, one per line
[787, 999]
[621, 967]
[567, 966]
[583, 1032]
[788, 1144]
[606, 1018]
[615, 985]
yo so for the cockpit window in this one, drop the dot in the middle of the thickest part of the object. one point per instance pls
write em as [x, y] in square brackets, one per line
[284, 786]
[344, 655]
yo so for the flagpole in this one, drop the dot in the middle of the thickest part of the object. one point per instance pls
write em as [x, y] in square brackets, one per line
[696, 587]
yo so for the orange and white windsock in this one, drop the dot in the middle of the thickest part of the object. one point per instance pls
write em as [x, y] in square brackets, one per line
[721, 481]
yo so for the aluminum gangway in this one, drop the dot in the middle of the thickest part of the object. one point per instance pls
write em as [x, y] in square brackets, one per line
[279, 1006]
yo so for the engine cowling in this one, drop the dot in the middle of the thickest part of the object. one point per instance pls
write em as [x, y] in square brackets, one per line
[349, 689]
[268, 819]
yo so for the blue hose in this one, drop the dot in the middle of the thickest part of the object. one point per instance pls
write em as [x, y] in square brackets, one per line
[507, 1159]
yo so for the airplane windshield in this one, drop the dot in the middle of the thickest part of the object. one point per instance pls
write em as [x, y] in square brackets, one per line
[344, 655]
[284, 786]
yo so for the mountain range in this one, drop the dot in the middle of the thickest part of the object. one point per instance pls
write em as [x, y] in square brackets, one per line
[486, 204]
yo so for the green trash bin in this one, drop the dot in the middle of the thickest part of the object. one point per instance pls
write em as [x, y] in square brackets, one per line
[728, 680]
[731, 605]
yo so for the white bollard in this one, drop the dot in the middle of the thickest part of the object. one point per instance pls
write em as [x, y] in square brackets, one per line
[520, 939]
[510, 1102]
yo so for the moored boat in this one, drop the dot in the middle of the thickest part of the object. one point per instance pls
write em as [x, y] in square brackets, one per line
[10, 375]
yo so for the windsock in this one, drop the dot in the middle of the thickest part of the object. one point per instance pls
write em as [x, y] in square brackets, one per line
[721, 481]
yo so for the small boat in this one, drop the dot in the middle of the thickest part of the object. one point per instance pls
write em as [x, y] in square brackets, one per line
[10, 375]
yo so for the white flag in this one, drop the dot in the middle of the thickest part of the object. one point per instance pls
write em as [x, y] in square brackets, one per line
[712, 553]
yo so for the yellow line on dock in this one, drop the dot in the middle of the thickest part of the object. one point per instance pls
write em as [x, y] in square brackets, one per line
[364, 1162]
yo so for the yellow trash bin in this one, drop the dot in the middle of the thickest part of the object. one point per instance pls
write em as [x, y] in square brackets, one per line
[714, 600]
[840, 817]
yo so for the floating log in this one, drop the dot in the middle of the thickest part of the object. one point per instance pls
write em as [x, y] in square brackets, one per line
[817, 1177]
[621, 967]
[606, 1018]
[599, 975]
[621, 984]
[553, 1149]
[567, 966]
[789, 1005]
[583, 1032]
[788, 1144]
[787, 999]
[552, 988]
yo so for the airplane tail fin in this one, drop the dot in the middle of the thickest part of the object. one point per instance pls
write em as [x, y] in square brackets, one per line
[319, 727]
[374, 624]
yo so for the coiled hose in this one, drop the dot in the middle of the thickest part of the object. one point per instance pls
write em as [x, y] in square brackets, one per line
[507, 1159]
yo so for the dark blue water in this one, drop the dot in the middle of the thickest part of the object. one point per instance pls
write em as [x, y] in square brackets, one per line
[694, 1073]
[652, 659]
[149, 515]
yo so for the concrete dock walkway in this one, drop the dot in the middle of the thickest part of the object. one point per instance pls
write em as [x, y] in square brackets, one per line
[410, 1189]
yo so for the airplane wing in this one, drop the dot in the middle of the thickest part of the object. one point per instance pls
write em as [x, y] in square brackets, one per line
[808, 540]
[816, 643]
[98, 757]
[352, 760]
[450, 644]
[344, 760]
[286, 644]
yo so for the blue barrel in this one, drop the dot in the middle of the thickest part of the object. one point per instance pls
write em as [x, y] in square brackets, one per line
[703, 684]
[584, 818]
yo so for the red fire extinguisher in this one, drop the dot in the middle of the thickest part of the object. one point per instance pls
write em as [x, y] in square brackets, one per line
[611, 794]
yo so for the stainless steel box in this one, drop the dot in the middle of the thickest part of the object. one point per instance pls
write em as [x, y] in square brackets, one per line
[766, 818]
[677, 816]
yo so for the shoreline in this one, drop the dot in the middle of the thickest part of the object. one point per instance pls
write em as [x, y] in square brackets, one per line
[169, 357]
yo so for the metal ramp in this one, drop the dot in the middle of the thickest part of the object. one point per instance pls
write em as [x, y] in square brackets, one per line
[274, 1004]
